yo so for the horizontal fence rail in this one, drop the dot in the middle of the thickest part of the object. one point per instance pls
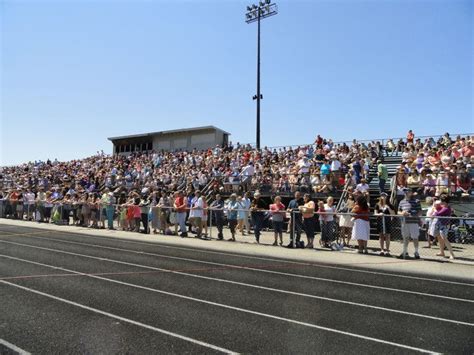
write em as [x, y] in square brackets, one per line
[387, 235]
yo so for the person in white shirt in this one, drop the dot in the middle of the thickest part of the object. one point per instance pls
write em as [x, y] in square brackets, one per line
[196, 213]
[247, 172]
[29, 204]
[246, 202]
[363, 188]
[304, 165]
[335, 164]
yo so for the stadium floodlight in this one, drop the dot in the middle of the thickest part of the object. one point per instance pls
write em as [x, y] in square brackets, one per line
[256, 13]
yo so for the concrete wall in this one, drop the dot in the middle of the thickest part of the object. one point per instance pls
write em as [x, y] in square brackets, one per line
[188, 140]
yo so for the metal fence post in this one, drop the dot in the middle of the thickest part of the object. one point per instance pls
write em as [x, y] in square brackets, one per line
[293, 223]
[210, 223]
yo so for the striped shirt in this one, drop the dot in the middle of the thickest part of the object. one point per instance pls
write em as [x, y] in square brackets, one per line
[413, 207]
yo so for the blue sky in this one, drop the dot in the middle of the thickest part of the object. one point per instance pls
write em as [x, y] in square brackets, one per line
[76, 72]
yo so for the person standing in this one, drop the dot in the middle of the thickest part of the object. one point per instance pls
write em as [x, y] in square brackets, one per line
[144, 210]
[383, 210]
[357, 167]
[296, 220]
[410, 209]
[196, 213]
[110, 209]
[40, 201]
[326, 217]
[29, 204]
[241, 215]
[361, 230]
[180, 204]
[246, 203]
[155, 211]
[217, 208]
[309, 222]
[410, 137]
[345, 220]
[382, 173]
[441, 225]
[232, 210]
[258, 207]
[278, 217]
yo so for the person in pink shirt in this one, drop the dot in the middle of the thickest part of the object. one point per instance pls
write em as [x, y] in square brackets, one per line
[277, 210]
[440, 226]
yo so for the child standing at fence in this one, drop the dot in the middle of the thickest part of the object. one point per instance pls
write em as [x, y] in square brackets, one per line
[345, 220]
[277, 210]
[137, 214]
[383, 210]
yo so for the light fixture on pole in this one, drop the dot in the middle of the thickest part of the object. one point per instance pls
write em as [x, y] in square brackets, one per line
[255, 13]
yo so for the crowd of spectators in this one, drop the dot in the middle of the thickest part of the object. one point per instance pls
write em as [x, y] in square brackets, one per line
[156, 191]
[435, 167]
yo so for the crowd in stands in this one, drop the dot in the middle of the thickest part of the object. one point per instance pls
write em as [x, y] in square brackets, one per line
[433, 168]
[165, 188]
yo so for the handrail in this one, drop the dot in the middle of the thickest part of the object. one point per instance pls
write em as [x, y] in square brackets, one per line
[381, 140]
[101, 206]
[393, 194]
[343, 196]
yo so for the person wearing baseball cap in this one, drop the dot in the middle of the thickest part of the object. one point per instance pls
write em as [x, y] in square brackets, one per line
[410, 208]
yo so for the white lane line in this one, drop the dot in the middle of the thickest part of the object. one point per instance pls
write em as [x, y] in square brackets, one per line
[354, 335]
[143, 325]
[245, 285]
[269, 259]
[264, 271]
[13, 347]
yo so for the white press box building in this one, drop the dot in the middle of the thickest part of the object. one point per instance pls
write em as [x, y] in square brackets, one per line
[186, 139]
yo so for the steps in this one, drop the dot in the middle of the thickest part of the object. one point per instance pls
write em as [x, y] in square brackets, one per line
[392, 162]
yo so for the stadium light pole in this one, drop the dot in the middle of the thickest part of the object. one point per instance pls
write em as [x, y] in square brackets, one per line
[254, 13]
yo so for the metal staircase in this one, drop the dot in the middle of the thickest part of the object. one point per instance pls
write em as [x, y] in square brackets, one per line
[392, 161]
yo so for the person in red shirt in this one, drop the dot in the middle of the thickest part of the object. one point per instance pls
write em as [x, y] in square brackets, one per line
[180, 203]
[319, 141]
[410, 137]
[361, 229]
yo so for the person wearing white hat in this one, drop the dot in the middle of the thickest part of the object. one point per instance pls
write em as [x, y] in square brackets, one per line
[410, 208]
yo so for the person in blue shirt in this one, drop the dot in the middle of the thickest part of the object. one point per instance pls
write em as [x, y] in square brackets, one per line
[357, 170]
[325, 168]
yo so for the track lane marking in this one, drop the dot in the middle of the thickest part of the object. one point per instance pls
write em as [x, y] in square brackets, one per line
[218, 305]
[257, 270]
[384, 309]
[123, 319]
[14, 347]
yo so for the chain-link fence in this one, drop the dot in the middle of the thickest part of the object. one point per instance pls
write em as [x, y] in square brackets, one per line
[385, 235]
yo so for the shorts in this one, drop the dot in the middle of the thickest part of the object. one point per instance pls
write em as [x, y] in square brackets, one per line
[410, 230]
[443, 232]
[278, 226]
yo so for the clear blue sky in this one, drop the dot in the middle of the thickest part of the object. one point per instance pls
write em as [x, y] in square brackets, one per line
[76, 72]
